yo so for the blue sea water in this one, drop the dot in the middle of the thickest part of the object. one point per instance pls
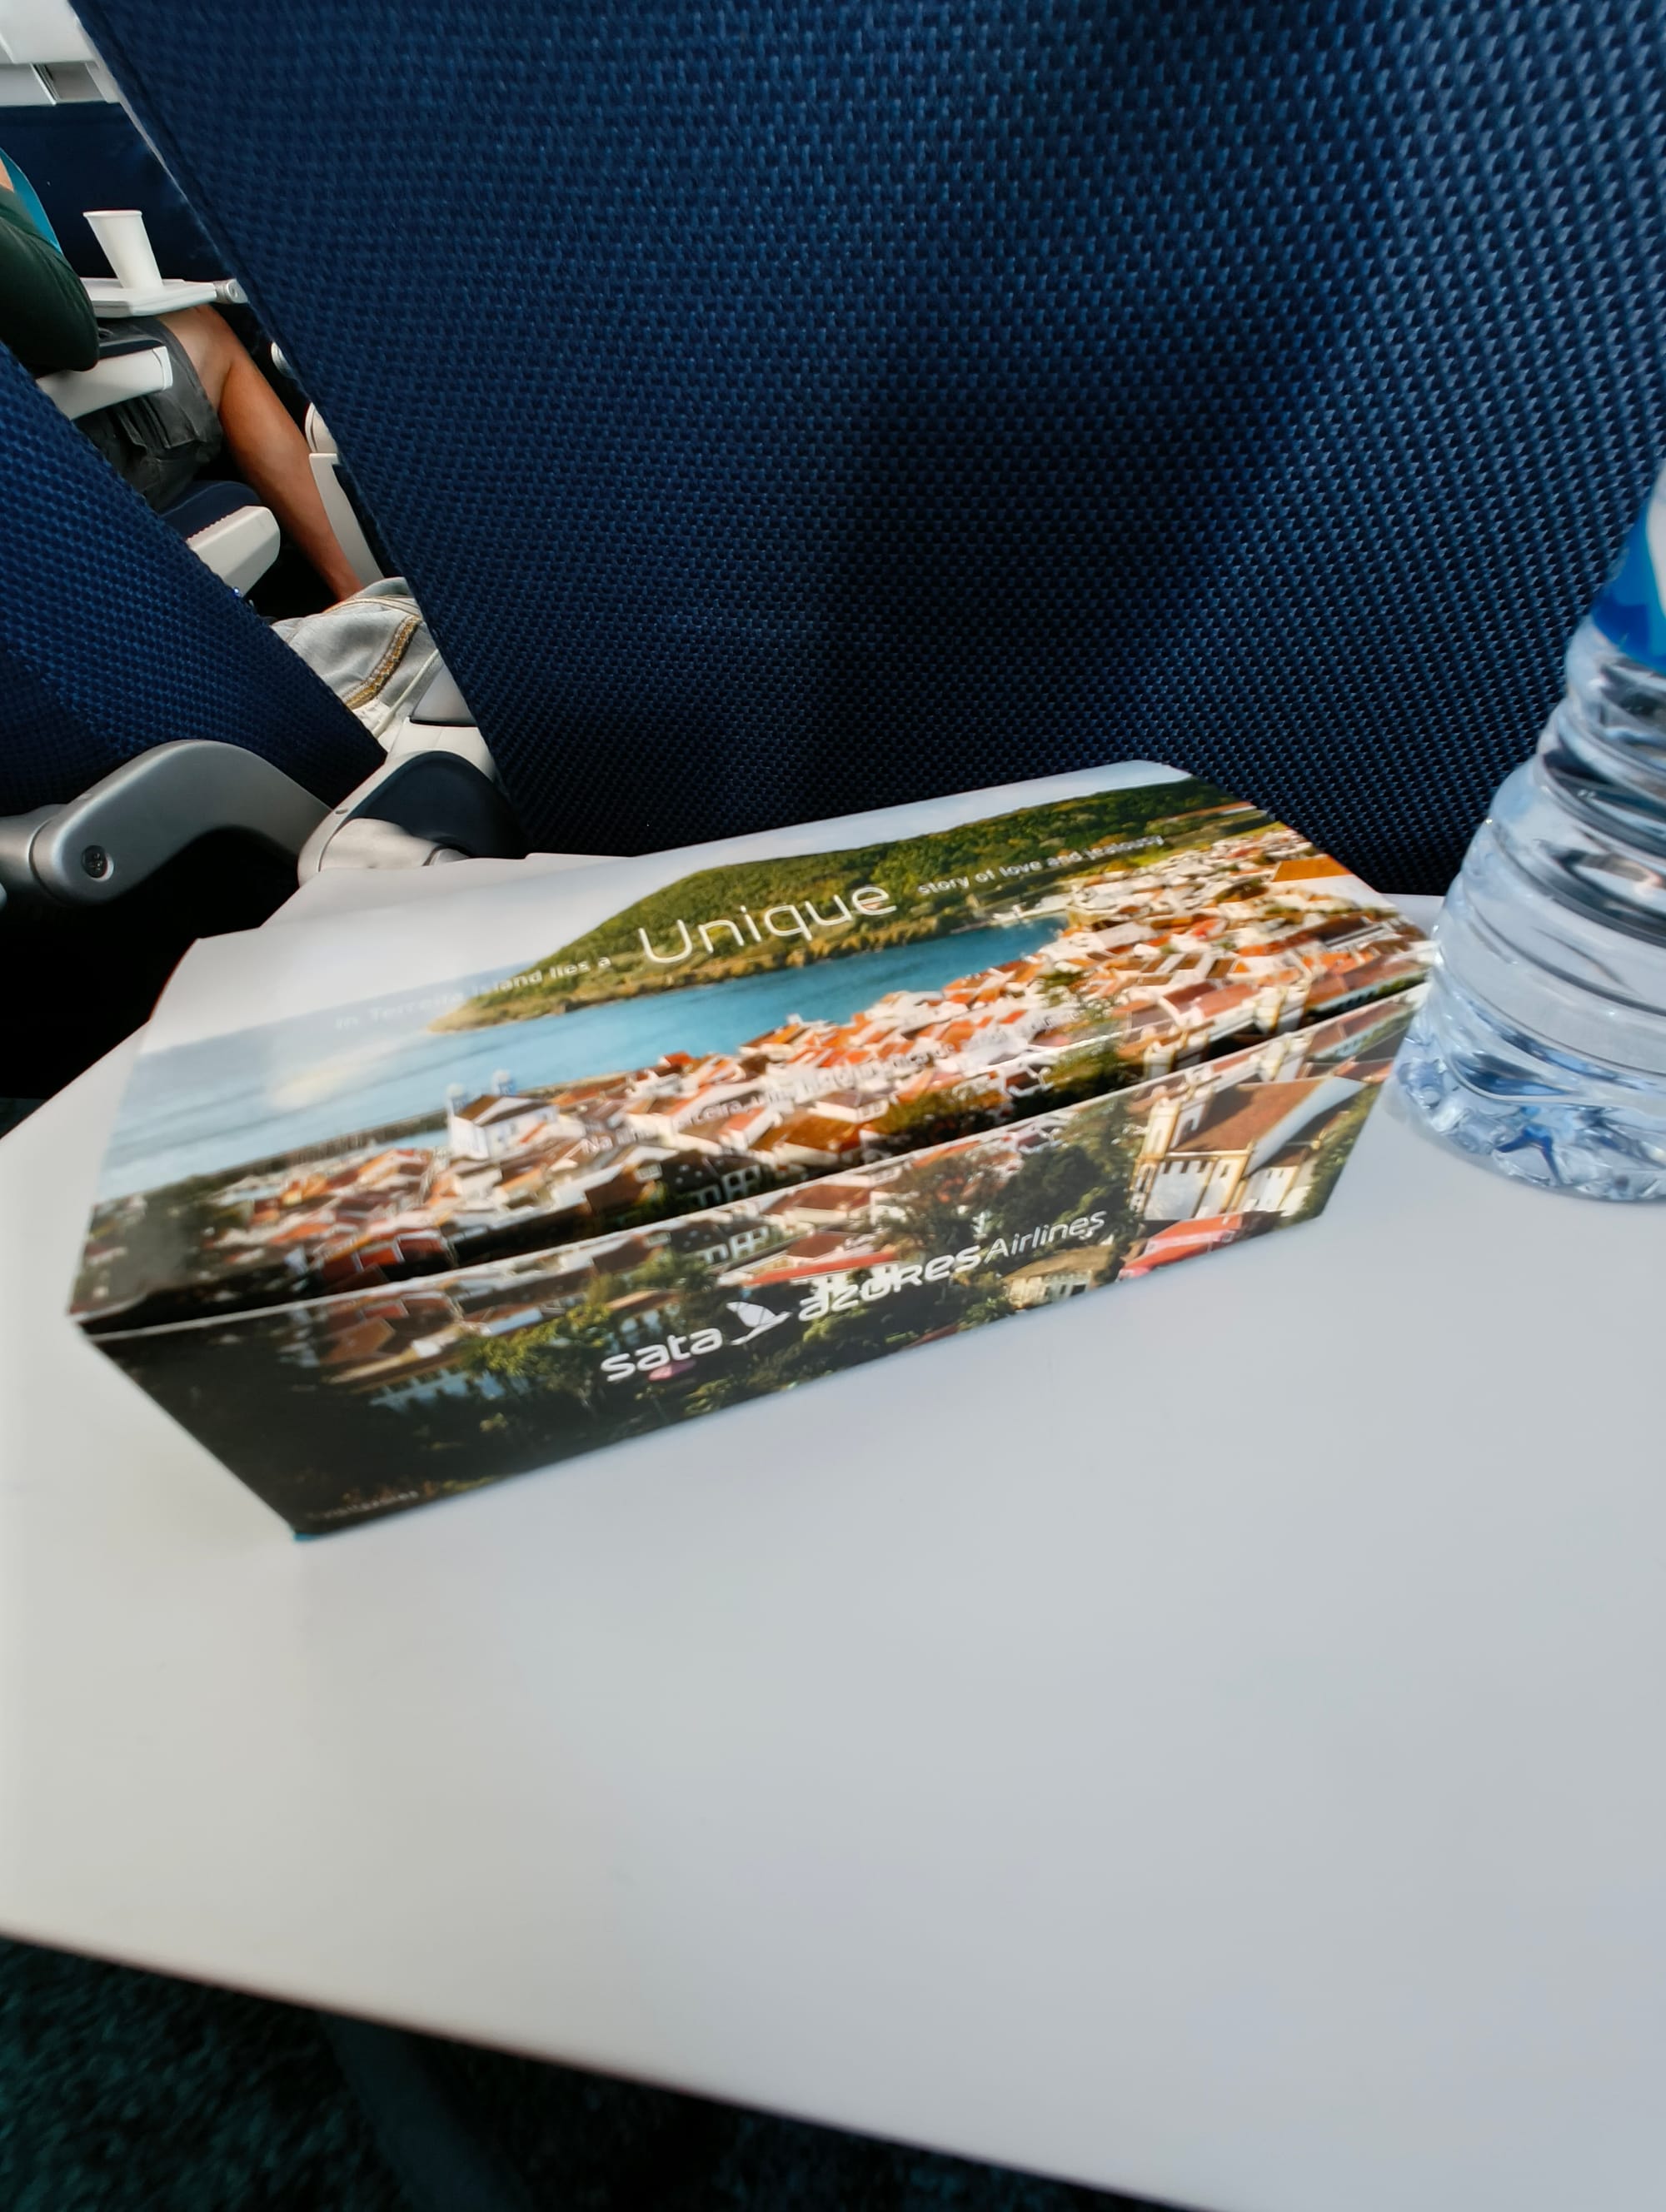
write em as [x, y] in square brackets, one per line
[214, 1106]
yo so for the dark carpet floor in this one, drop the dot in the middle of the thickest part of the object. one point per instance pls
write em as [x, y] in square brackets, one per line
[121, 2090]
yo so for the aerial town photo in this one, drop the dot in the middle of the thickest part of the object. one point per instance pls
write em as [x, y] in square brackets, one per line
[1174, 1054]
[1189, 926]
[340, 1409]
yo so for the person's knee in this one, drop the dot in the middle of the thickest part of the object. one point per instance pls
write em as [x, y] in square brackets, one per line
[210, 345]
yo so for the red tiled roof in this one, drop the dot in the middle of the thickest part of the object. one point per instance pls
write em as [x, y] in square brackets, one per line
[496, 1106]
[816, 1133]
[1311, 863]
[1238, 1120]
[839, 1197]
[1182, 1239]
[348, 1347]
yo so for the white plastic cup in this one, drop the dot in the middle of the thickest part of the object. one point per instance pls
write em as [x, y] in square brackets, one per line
[126, 243]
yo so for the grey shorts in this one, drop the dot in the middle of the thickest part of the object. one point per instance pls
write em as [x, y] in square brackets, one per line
[159, 443]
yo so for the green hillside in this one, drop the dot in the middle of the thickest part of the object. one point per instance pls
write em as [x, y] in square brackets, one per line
[767, 914]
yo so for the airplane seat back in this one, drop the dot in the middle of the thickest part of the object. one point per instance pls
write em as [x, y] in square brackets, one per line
[114, 637]
[779, 408]
[89, 154]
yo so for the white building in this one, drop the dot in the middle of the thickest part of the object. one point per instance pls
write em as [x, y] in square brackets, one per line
[487, 1128]
[1241, 1150]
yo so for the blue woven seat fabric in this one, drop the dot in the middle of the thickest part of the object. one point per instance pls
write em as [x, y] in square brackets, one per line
[86, 154]
[781, 406]
[114, 637]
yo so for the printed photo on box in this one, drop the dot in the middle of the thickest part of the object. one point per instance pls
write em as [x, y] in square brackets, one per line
[756, 1124]
[339, 1408]
[742, 1029]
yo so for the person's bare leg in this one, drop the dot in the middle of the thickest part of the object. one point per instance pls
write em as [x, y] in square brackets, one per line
[263, 442]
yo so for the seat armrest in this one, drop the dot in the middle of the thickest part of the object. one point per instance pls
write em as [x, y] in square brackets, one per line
[240, 548]
[114, 340]
[227, 529]
[435, 799]
[130, 822]
[134, 374]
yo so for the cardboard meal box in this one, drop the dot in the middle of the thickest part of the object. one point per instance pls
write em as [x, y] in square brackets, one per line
[401, 1201]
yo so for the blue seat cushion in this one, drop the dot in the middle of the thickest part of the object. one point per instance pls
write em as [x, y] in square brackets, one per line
[205, 503]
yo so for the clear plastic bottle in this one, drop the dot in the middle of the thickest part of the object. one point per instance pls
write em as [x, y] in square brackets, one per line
[1541, 1046]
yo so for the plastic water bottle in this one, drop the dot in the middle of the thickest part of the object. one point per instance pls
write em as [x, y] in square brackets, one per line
[1541, 1046]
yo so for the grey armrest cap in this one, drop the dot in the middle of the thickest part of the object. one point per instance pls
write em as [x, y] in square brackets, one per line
[150, 808]
[442, 702]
